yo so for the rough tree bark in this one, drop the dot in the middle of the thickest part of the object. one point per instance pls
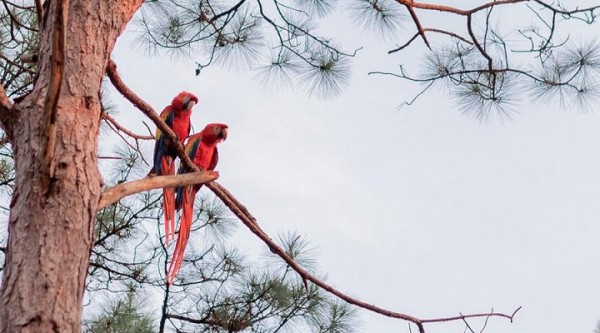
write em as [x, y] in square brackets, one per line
[52, 217]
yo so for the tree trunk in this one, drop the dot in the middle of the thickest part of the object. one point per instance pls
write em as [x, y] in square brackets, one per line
[52, 219]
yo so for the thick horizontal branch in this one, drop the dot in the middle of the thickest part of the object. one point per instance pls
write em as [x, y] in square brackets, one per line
[116, 193]
[244, 215]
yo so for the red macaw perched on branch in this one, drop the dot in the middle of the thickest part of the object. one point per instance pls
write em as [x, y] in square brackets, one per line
[202, 149]
[177, 117]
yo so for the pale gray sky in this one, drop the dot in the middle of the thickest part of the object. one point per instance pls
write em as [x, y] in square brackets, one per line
[420, 210]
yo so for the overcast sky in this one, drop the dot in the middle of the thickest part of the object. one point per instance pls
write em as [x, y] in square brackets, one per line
[421, 210]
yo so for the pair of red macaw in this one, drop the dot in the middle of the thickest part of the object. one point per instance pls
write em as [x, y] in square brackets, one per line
[202, 150]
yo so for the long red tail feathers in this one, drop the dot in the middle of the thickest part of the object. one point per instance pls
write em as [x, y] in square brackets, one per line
[168, 167]
[185, 226]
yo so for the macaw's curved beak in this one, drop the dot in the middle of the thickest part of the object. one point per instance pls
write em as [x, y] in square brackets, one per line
[223, 134]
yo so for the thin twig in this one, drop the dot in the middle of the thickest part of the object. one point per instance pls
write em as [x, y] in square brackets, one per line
[444, 32]
[461, 317]
[486, 322]
[467, 324]
[119, 127]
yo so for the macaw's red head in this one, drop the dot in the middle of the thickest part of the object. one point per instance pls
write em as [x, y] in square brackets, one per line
[184, 101]
[214, 133]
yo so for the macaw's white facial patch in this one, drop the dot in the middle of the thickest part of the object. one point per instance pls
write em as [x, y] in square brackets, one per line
[190, 104]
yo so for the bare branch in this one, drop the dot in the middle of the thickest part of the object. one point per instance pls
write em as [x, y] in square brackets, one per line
[449, 33]
[454, 10]
[120, 191]
[415, 18]
[463, 317]
[478, 45]
[205, 320]
[57, 67]
[119, 127]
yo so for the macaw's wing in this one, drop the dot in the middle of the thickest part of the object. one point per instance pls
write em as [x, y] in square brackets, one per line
[191, 148]
[161, 144]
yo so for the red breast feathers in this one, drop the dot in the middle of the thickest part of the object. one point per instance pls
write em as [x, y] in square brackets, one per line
[182, 106]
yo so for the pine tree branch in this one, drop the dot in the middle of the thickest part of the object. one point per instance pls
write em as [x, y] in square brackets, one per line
[458, 11]
[57, 68]
[244, 215]
[205, 320]
[116, 193]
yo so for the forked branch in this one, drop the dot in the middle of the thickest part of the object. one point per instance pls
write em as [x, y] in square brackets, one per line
[244, 215]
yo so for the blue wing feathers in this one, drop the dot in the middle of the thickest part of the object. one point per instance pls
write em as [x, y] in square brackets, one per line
[161, 147]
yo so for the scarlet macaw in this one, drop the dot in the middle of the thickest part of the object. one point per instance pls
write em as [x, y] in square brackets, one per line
[202, 150]
[177, 117]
